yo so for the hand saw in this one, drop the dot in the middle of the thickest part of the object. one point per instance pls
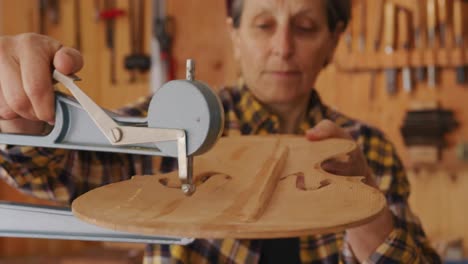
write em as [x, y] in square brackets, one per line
[185, 118]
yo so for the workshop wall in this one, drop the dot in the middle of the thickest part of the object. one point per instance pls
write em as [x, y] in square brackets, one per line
[355, 83]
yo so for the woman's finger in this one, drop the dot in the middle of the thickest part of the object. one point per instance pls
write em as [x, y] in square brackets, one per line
[326, 129]
[68, 60]
[12, 89]
[36, 75]
[5, 111]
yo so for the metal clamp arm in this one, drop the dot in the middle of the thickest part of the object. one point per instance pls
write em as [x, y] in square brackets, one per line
[104, 122]
[127, 135]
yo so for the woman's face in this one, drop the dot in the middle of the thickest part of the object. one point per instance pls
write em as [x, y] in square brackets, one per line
[281, 46]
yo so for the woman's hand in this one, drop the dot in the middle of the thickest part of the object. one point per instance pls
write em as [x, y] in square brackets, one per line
[353, 164]
[363, 239]
[26, 92]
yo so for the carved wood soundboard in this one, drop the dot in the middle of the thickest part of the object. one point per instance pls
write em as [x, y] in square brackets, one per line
[247, 187]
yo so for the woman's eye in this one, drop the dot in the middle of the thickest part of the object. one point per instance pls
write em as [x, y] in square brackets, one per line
[305, 29]
[263, 26]
[304, 26]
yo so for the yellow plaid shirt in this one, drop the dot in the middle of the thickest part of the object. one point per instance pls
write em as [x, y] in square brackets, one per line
[63, 175]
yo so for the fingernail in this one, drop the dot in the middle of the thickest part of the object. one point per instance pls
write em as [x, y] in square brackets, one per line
[51, 123]
[70, 52]
[314, 132]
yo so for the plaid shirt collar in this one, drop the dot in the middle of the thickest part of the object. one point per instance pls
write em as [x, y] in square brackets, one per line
[254, 117]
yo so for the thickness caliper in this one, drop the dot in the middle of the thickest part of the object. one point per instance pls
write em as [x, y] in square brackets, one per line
[185, 118]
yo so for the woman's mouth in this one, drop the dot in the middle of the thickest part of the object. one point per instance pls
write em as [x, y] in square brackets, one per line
[284, 74]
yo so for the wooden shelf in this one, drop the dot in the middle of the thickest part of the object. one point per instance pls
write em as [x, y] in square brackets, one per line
[446, 58]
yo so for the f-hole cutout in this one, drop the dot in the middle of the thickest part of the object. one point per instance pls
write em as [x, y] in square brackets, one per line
[199, 179]
[300, 182]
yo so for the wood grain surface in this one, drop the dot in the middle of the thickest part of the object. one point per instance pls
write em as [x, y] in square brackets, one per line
[247, 187]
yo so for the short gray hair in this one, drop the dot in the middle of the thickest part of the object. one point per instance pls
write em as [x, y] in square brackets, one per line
[337, 11]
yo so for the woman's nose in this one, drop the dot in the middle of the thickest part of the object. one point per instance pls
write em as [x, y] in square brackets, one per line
[283, 43]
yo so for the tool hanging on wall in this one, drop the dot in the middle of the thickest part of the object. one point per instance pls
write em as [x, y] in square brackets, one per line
[458, 32]
[419, 34]
[442, 21]
[163, 32]
[355, 35]
[42, 16]
[427, 128]
[49, 12]
[137, 61]
[362, 26]
[77, 17]
[159, 70]
[348, 38]
[376, 38]
[424, 49]
[389, 37]
[97, 10]
[109, 14]
[404, 44]
[431, 36]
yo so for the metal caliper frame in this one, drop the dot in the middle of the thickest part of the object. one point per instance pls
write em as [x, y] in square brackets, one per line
[80, 124]
[131, 135]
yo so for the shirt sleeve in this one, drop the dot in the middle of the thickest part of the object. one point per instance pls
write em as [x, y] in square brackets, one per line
[62, 175]
[407, 243]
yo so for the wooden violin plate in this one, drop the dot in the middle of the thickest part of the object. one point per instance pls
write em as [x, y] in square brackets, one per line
[247, 187]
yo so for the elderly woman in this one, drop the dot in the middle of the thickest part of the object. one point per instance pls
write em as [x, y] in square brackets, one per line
[281, 47]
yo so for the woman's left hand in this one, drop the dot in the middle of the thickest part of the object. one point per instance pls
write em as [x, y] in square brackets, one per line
[366, 238]
[353, 164]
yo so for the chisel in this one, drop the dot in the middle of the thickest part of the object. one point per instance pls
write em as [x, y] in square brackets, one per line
[53, 11]
[458, 31]
[442, 19]
[137, 60]
[349, 33]
[42, 17]
[431, 34]
[404, 44]
[389, 41]
[377, 32]
[362, 26]
[375, 36]
[348, 39]
[419, 36]
[77, 18]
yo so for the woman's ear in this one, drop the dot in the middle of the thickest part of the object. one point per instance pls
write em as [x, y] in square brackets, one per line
[234, 34]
